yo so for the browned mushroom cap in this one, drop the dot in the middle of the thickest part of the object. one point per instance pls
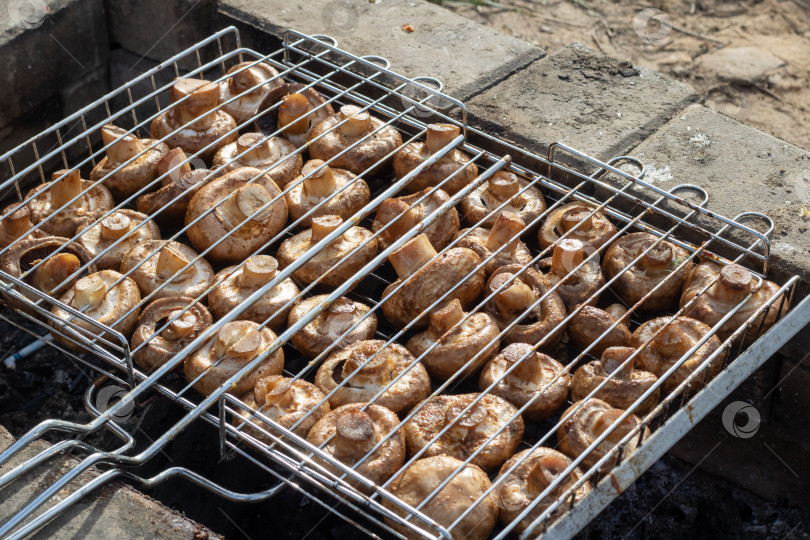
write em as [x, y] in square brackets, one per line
[297, 116]
[252, 150]
[384, 364]
[323, 184]
[15, 223]
[285, 401]
[349, 433]
[239, 282]
[654, 268]
[505, 232]
[468, 432]
[543, 322]
[623, 389]
[236, 344]
[455, 163]
[250, 217]
[243, 85]
[518, 488]
[374, 141]
[584, 421]
[411, 213]
[578, 286]
[671, 344]
[527, 203]
[180, 183]
[199, 128]
[586, 326]
[122, 147]
[170, 269]
[118, 228]
[537, 377]
[733, 283]
[155, 342]
[456, 342]
[99, 297]
[332, 265]
[424, 476]
[592, 228]
[427, 279]
[331, 323]
[67, 185]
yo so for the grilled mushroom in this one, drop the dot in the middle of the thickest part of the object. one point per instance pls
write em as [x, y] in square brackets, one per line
[544, 321]
[518, 488]
[297, 114]
[733, 283]
[338, 192]
[467, 485]
[249, 83]
[363, 141]
[456, 163]
[427, 279]
[193, 124]
[15, 224]
[238, 216]
[408, 213]
[348, 433]
[332, 265]
[383, 363]
[285, 401]
[156, 340]
[536, 378]
[111, 238]
[671, 344]
[584, 421]
[592, 227]
[107, 297]
[169, 271]
[331, 323]
[252, 150]
[623, 389]
[457, 342]
[525, 202]
[656, 267]
[239, 282]
[577, 287]
[67, 185]
[236, 345]
[505, 232]
[468, 431]
[122, 147]
[590, 323]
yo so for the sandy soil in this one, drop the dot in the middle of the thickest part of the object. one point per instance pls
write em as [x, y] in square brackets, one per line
[750, 59]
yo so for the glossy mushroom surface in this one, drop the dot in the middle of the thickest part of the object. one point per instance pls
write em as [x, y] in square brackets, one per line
[656, 267]
[457, 341]
[331, 323]
[237, 344]
[252, 150]
[503, 187]
[372, 367]
[15, 224]
[338, 193]
[239, 212]
[455, 165]
[285, 401]
[409, 211]
[427, 278]
[588, 325]
[247, 85]
[156, 340]
[111, 238]
[300, 111]
[579, 286]
[504, 236]
[48, 200]
[164, 269]
[577, 221]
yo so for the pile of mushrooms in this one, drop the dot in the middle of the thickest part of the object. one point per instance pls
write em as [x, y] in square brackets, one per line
[51, 207]
[130, 164]
[398, 215]
[275, 156]
[323, 191]
[330, 325]
[524, 201]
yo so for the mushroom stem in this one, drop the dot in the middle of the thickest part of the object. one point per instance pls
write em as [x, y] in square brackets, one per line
[254, 147]
[516, 297]
[733, 284]
[170, 262]
[412, 256]
[257, 271]
[357, 122]
[460, 427]
[376, 370]
[525, 364]
[121, 146]
[66, 186]
[181, 327]
[203, 97]
[16, 222]
[89, 291]
[273, 391]
[568, 254]
[617, 311]
[253, 201]
[322, 226]
[174, 163]
[614, 360]
[576, 215]
[445, 318]
[543, 472]
[292, 114]
[115, 226]
[398, 214]
[504, 185]
[54, 271]
[506, 229]
[658, 258]
[672, 341]
[238, 340]
[354, 433]
[440, 135]
[318, 183]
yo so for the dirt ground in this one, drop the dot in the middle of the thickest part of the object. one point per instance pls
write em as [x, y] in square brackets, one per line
[750, 59]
